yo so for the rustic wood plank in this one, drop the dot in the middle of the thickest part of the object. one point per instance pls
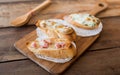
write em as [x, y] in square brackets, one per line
[104, 62]
[16, 1]
[10, 35]
[12, 10]
[1, 1]
[109, 36]
[23, 67]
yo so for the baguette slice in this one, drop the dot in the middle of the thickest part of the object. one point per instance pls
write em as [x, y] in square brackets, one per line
[59, 27]
[53, 54]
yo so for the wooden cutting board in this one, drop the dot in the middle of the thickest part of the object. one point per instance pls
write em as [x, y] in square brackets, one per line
[54, 68]
[82, 45]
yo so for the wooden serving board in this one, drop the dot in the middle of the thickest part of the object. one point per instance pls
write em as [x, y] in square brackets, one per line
[54, 68]
[82, 45]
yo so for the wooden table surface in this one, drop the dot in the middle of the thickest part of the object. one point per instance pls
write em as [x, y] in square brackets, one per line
[102, 58]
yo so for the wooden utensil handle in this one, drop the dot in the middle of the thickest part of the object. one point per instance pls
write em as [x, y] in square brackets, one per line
[40, 7]
[98, 8]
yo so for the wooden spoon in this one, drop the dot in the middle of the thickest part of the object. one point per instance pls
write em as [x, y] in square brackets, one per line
[19, 21]
[100, 6]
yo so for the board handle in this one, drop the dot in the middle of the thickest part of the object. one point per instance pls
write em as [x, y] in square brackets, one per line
[100, 6]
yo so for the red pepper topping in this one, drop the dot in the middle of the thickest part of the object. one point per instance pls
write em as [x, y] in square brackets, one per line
[34, 45]
[45, 45]
[60, 45]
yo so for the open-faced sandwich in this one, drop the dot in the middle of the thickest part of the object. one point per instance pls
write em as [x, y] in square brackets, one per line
[84, 24]
[55, 41]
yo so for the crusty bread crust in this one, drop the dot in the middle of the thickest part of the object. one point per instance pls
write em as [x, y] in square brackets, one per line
[69, 20]
[37, 23]
[71, 36]
[54, 53]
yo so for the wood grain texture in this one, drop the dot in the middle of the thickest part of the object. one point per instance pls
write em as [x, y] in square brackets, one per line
[54, 68]
[7, 38]
[10, 11]
[23, 67]
[104, 62]
[109, 36]
[6, 1]
[16, 1]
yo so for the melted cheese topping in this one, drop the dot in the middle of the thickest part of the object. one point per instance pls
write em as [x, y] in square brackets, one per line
[57, 26]
[49, 24]
[85, 19]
